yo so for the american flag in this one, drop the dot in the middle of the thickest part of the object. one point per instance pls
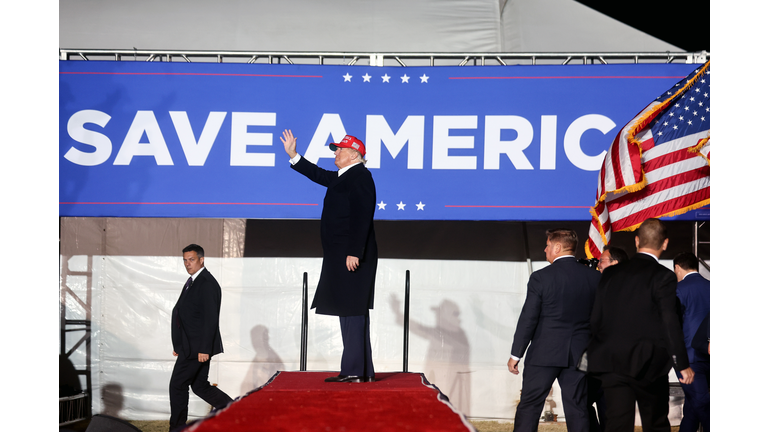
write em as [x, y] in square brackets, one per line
[658, 165]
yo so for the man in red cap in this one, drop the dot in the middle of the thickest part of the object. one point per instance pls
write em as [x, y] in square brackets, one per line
[350, 255]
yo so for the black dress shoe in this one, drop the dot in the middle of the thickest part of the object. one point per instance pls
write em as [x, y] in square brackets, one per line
[345, 379]
[369, 379]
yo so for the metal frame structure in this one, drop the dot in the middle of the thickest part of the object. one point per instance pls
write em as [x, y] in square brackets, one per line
[78, 407]
[699, 243]
[383, 59]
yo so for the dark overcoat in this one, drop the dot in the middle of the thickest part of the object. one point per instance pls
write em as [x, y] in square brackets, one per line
[195, 318]
[346, 229]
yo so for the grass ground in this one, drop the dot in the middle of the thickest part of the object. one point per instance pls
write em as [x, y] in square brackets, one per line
[481, 426]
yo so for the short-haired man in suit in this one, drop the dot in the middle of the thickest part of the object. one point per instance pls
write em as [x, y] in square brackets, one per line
[196, 338]
[693, 293]
[555, 322]
[636, 335]
[611, 255]
[350, 254]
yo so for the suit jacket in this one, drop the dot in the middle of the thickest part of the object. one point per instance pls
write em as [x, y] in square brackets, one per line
[555, 315]
[195, 318]
[700, 342]
[693, 292]
[635, 329]
[346, 229]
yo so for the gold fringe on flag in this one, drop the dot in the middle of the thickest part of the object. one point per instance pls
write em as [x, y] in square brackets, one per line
[636, 127]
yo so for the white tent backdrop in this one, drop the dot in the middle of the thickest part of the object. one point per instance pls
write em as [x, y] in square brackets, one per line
[462, 317]
[349, 26]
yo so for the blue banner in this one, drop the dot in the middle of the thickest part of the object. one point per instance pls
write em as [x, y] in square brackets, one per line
[200, 140]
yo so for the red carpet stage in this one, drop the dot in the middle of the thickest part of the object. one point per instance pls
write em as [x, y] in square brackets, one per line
[302, 401]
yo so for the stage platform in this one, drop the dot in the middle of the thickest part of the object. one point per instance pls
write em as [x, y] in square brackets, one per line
[302, 401]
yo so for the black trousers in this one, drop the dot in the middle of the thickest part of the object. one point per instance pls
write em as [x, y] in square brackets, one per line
[191, 373]
[621, 393]
[596, 397]
[537, 382]
[356, 359]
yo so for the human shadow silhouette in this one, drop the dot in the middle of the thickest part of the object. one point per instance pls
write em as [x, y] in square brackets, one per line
[69, 382]
[447, 358]
[264, 364]
[112, 399]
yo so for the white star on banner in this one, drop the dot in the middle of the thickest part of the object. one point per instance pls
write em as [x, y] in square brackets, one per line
[366, 78]
[401, 206]
[385, 78]
[424, 78]
[347, 77]
[382, 205]
[420, 206]
[405, 78]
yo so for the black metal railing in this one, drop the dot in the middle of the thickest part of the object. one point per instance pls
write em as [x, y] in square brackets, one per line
[305, 314]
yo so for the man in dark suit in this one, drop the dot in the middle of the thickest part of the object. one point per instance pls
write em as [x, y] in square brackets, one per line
[611, 255]
[555, 321]
[196, 338]
[350, 254]
[636, 336]
[693, 293]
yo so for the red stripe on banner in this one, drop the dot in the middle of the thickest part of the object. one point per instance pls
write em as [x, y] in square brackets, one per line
[190, 203]
[190, 74]
[511, 206]
[662, 208]
[570, 77]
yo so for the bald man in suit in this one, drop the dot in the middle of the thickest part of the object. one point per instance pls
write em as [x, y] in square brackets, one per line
[636, 335]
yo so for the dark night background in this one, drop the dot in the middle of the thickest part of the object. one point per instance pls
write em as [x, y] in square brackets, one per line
[684, 24]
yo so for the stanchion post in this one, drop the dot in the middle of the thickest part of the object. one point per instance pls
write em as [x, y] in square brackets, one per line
[304, 309]
[406, 318]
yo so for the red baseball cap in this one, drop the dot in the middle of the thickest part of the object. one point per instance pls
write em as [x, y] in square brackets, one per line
[349, 142]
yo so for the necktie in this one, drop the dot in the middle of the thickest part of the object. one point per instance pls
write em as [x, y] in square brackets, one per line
[183, 290]
[186, 285]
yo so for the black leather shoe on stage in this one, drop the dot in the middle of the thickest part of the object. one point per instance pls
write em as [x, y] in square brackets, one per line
[345, 379]
[369, 379]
